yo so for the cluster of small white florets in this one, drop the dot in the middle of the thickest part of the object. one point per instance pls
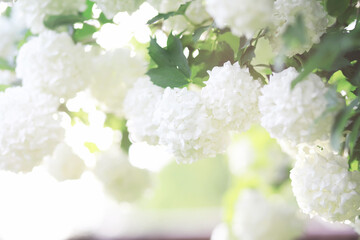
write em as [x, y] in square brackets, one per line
[298, 114]
[116, 71]
[28, 131]
[35, 12]
[323, 185]
[111, 8]
[186, 128]
[194, 125]
[285, 12]
[279, 219]
[53, 64]
[120, 180]
[64, 164]
[139, 106]
[231, 95]
[243, 17]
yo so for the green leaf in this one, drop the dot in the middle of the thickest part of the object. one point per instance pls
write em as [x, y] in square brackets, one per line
[3, 87]
[336, 7]
[114, 122]
[166, 76]
[198, 32]
[125, 140]
[295, 34]
[88, 13]
[84, 34]
[247, 55]
[54, 21]
[5, 65]
[164, 16]
[158, 54]
[341, 121]
[92, 147]
[176, 54]
[256, 75]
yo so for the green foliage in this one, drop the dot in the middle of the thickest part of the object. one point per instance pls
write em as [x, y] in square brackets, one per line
[335, 7]
[119, 124]
[295, 34]
[5, 65]
[3, 87]
[55, 21]
[173, 69]
[92, 147]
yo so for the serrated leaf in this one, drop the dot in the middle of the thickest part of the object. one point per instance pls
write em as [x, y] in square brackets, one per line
[176, 54]
[54, 21]
[159, 55]
[163, 16]
[167, 77]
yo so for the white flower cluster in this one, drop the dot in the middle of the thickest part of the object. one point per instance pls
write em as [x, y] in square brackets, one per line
[298, 114]
[231, 95]
[116, 72]
[323, 185]
[258, 218]
[111, 8]
[64, 164]
[34, 12]
[243, 17]
[285, 11]
[139, 106]
[28, 131]
[53, 64]
[10, 34]
[120, 180]
[186, 128]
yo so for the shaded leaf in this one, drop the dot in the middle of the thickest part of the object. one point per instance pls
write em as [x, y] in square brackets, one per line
[54, 21]
[167, 77]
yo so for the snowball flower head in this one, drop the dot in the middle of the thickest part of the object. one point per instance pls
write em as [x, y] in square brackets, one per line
[243, 17]
[297, 115]
[323, 186]
[116, 72]
[110, 8]
[231, 94]
[139, 106]
[35, 11]
[64, 164]
[185, 127]
[279, 220]
[120, 180]
[285, 11]
[28, 131]
[53, 64]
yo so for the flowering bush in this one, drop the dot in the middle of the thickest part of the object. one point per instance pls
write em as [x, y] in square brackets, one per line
[210, 70]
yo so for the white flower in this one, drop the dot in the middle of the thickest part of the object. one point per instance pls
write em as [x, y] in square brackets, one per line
[139, 107]
[110, 8]
[258, 218]
[64, 164]
[28, 130]
[323, 185]
[231, 94]
[7, 77]
[10, 34]
[243, 17]
[116, 73]
[185, 127]
[194, 14]
[297, 115]
[284, 14]
[221, 232]
[120, 180]
[164, 6]
[53, 64]
[35, 11]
